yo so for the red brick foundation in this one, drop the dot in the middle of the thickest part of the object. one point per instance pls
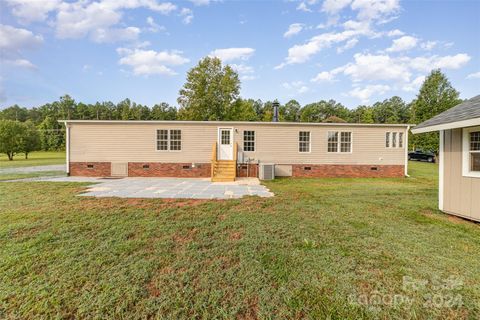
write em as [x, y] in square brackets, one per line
[179, 170]
[348, 171]
[251, 169]
[90, 169]
[202, 170]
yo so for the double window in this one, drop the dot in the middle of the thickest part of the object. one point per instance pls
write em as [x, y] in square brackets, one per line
[304, 141]
[394, 139]
[248, 140]
[169, 140]
[339, 141]
[471, 152]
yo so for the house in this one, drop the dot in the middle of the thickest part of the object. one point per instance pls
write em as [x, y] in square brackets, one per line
[224, 150]
[459, 177]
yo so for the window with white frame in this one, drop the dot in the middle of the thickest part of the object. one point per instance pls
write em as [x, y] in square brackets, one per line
[394, 139]
[169, 140]
[471, 152]
[304, 141]
[339, 141]
[248, 140]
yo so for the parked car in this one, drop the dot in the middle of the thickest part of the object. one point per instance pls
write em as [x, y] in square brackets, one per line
[420, 155]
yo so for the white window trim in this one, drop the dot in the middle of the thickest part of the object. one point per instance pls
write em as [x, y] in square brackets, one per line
[466, 153]
[390, 139]
[339, 147]
[309, 142]
[168, 140]
[254, 141]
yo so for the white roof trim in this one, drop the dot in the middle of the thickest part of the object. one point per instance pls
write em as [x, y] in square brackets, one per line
[448, 126]
[234, 122]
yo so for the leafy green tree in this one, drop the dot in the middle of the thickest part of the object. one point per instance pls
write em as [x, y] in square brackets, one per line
[163, 111]
[319, 111]
[15, 113]
[291, 111]
[242, 110]
[52, 135]
[436, 95]
[363, 114]
[67, 106]
[10, 137]
[209, 92]
[393, 110]
[30, 138]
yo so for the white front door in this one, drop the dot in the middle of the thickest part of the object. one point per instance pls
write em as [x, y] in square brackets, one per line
[225, 143]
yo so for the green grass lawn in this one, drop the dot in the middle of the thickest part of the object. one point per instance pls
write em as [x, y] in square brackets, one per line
[38, 158]
[15, 176]
[322, 248]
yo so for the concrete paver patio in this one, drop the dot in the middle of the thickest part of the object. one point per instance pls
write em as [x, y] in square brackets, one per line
[189, 188]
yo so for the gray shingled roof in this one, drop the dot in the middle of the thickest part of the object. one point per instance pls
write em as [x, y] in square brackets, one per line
[467, 110]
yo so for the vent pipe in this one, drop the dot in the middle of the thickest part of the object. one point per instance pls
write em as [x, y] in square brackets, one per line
[275, 111]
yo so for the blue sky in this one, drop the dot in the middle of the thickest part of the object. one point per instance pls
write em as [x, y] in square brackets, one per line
[353, 51]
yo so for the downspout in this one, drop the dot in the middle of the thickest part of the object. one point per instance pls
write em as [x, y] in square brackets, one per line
[406, 151]
[440, 169]
[67, 148]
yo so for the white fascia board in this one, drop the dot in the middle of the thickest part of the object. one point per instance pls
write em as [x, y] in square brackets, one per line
[448, 126]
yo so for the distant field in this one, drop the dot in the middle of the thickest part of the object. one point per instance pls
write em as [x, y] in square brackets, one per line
[319, 249]
[38, 158]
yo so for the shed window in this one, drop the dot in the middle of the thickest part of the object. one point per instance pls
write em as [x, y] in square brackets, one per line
[475, 151]
[169, 140]
[248, 140]
[304, 141]
[471, 152]
[394, 139]
[344, 145]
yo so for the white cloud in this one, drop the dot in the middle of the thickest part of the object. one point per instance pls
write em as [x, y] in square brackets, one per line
[302, 53]
[246, 72]
[303, 7]
[376, 67]
[187, 15]
[414, 85]
[230, 54]
[475, 75]
[202, 2]
[365, 93]
[15, 39]
[115, 35]
[13, 42]
[32, 10]
[429, 45]
[293, 29]
[334, 6]
[402, 44]
[97, 20]
[395, 33]
[147, 62]
[381, 10]
[349, 45]
[324, 76]
[153, 26]
[298, 87]
[437, 62]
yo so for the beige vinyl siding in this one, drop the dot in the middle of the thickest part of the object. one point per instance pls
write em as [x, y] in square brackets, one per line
[461, 195]
[136, 142]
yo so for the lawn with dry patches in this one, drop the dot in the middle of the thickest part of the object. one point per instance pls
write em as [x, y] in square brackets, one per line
[321, 248]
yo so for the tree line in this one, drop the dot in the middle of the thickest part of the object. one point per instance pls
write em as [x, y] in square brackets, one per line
[211, 92]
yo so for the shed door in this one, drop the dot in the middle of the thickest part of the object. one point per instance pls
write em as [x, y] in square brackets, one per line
[225, 143]
[119, 169]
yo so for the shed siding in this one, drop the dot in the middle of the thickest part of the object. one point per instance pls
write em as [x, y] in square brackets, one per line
[461, 194]
[110, 142]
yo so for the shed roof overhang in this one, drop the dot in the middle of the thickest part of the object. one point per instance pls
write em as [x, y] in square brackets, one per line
[447, 126]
